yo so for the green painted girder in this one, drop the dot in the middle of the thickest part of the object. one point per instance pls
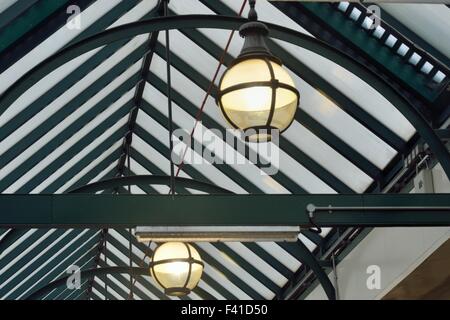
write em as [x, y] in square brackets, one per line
[20, 274]
[147, 188]
[380, 53]
[150, 179]
[163, 149]
[62, 293]
[221, 22]
[343, 102]
[314, 237]
[285, 145]
[78, 101]
[121, 190]
[323, 174]
[27, 21]
[338, 144]
[213, 263]
[82, 296]
[33, 160]
[19, 248]
[44, 273]
[152, 168]
[62, 114]
[74, 150]
[205, 277]
[58, 292]
[65, 84]
[73, 77]
[91, 156]
[333, 237]
[416, 39]
[302, 117]
[85, 261]
[96, 272]
[2, 231]
[210, 123]
[107, 211]
[302, 253]
[14, 11]
[228, 171]
[73, 294]
[100, 249]
[101, 290]
[10, 238]
[205, 295]
[95, 171]
[126, 282]
[81, 259]
[311, 77]
[138, 278]
[139, 158]
[264, 279]
[147, 164]
[109, 18]
[269, 259]
[138, 92]
[111, 285]
[124, 190]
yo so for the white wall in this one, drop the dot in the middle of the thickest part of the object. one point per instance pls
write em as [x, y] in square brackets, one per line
[397, 251]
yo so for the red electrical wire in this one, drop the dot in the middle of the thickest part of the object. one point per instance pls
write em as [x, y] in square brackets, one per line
[211, 86]
[208, 93]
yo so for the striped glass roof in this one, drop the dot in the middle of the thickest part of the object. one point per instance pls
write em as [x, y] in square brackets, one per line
[70, 128]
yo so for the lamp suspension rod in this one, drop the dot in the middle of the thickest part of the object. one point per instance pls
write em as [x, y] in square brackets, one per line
[169, 102]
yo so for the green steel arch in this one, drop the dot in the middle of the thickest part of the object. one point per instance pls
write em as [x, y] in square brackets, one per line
[150, 180]
[231, 23]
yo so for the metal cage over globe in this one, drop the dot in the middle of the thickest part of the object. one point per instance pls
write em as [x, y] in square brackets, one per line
[256, 94]
[176, 267]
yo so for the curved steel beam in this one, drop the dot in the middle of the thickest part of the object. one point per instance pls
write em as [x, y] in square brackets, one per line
[149, 180]
[310, 260]
[233, 23]
[85, 275]
[306, 257]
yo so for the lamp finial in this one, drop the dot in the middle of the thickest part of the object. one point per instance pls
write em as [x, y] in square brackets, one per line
[252, 15]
